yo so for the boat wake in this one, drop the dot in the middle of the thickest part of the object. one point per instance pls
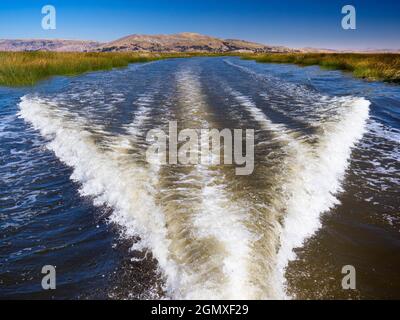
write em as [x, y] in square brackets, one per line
[211, 239]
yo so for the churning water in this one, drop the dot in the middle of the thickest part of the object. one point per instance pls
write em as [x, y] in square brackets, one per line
[77, 192]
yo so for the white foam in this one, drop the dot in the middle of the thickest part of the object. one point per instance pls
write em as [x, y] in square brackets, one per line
[142, 114]
[318, 176]
[315, 173]
[218, 217]
[110, 177]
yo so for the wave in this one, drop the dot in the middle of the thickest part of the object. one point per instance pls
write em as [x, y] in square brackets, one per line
[209, 241]
[110, 177]
[313, 173]
[200, 245]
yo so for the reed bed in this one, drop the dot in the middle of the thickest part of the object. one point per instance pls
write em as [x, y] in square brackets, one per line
[27, 68]
[382, 66]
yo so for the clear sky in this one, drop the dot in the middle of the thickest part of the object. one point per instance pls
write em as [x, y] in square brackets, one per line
[294, 23]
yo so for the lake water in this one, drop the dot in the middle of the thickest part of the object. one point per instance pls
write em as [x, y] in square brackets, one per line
[76, 191]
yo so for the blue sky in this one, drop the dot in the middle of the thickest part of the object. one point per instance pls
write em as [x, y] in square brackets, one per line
[294, 23]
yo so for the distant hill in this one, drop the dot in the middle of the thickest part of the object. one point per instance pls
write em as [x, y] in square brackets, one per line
[48, 45]
[186, 42]
[317, 50]
[181, 42]
[322, 50]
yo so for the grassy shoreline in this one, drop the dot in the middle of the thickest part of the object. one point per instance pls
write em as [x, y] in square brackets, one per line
[382, 66]
[27, 68]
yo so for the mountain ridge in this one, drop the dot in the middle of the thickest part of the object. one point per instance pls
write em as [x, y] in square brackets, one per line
[180, 42]
[57, 45]
[187, 42]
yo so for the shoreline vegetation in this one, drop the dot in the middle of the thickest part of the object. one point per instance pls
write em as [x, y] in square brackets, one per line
[370, 66]
[27, 68]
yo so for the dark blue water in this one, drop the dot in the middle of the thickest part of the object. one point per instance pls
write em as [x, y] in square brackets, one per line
[364, 229]
[44, 219]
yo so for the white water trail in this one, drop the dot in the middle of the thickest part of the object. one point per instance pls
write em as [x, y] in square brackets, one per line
[110, 177]
[315, 173]
[313, 176]
[218, 216]
[113, 178]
